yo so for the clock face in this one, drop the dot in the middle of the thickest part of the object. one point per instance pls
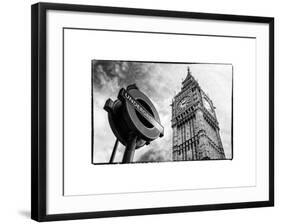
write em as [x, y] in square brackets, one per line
[207, 105]
[184, 102]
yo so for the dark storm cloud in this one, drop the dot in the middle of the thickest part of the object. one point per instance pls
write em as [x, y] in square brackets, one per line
[151, 156]
[154, 155]
[158, 151]
[124, 73]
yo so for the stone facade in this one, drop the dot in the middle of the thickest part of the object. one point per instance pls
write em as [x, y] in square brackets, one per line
[194, 123]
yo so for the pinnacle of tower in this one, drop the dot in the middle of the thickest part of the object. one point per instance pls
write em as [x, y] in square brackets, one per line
[188, 71]
[188, 76]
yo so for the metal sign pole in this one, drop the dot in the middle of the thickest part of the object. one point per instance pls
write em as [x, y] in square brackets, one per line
[130, 148]
[114, 151]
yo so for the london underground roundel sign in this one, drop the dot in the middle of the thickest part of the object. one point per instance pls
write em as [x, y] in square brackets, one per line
[133, 116]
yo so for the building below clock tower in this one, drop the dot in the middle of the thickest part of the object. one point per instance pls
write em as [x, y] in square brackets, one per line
[195, 126]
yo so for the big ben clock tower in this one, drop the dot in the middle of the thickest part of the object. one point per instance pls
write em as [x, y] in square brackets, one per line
[194, 123]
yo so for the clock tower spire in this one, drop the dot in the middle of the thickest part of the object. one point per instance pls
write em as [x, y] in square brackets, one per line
[194, 123]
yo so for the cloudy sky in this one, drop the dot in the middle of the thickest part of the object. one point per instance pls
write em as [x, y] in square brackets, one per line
[160, 82]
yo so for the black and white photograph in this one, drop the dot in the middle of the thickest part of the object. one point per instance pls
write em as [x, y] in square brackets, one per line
[161, 111]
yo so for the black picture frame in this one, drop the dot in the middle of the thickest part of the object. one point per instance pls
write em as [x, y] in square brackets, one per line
[39, 108]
